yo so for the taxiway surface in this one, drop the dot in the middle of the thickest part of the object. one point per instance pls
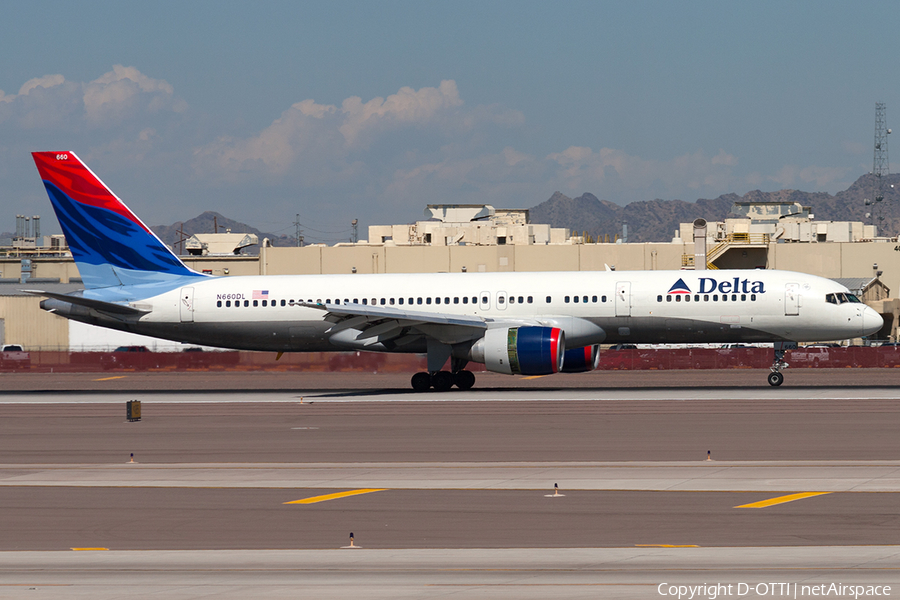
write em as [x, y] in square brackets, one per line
[447, 493]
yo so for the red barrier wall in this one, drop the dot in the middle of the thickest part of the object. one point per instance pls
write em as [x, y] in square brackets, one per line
[686, 358]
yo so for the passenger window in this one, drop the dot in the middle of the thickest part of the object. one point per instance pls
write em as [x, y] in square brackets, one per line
[500, 300]
[446, 300]
[576, 299]
[456, 300]
[382, 301]
[400, 300]
[584, 299]
[356, 301]
[594, 299]
[410, 301]
[265, 303]
[548, 300]
[392, 301]
[427, 300]
[687, 298]
[485, 300]
[724, 297]
[602, 298]
[668, 298]
[418, 301]
[437, 300]
[465, 299]
[734, 297]
[715, 297]
[474, 299]
[697, 298]
[678, 298]
[219, 304]
[283, 302]
[530, 299]
[246, 303]
[566, 299]
[228, 304]
[365, 301]
[659, 298]
[521, 299]
[256, 303]
[512, 299]
[752, 297]
[706, 298]
[743, 297]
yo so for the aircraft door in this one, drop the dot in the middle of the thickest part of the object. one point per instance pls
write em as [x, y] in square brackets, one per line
[186, 305]
[501, 300]
[623, 299]
[792, 299]
[484, 301]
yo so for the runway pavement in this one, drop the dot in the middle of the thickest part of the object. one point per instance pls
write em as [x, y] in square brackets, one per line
[243, 491]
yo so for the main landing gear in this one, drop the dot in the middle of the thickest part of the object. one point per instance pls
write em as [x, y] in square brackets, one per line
[776, 377]
[442, 381]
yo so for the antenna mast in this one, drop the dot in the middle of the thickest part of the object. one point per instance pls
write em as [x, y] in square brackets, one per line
[880, 163]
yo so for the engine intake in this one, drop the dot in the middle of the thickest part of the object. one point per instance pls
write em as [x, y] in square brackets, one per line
[580, 360]
[521, 350]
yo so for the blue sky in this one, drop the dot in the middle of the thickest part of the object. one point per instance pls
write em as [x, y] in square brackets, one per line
[371, 110]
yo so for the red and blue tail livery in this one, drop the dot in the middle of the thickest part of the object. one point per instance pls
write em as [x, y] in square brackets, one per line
[111, 246]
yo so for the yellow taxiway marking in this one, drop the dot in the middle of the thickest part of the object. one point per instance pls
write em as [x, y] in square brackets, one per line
[89, 549]
[534, 377]
[666, 546]
[109, 378]
[781, 500]
[315, 499]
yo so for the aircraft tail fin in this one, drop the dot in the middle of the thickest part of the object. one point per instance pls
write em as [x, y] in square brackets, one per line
[110, 244]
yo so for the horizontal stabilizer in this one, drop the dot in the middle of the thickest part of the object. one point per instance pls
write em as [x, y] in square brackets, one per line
[107, 307]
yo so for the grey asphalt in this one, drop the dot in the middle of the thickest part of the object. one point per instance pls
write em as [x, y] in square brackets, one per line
[202, 513]
[527, 574]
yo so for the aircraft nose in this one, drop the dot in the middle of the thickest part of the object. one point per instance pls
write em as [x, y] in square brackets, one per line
[871, 321]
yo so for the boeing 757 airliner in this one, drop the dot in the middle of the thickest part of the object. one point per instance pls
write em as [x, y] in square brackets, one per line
[514, 323]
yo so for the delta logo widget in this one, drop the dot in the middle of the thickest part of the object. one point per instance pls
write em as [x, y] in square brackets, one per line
[710, 285]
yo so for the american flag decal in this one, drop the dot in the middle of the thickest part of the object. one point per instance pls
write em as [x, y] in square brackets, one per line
[260, 294]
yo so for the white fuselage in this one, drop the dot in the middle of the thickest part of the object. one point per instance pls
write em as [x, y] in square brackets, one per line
[265, 312]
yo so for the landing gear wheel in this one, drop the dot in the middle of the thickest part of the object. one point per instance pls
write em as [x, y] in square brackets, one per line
[421, 382]
[776, 378]
[464, 380]
[442, 381]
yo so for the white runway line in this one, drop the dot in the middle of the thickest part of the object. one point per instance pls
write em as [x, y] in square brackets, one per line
[848, 394]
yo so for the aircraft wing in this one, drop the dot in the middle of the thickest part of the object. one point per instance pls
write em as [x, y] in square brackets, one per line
[375, 313]
[360, 323]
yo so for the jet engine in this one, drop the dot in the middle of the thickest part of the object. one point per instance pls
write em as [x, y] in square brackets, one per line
[579, 360]
[521, 350]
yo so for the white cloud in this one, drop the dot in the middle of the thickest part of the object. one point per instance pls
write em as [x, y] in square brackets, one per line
[47, 81]
[319, 141]
[124, 94]
[627, 176]
[406, 107]
[820, 178]
[124, 91]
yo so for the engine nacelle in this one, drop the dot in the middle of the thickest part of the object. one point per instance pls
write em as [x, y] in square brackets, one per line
[580, 360]
[521, 350]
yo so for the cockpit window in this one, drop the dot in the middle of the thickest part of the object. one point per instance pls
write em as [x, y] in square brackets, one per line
[841, 298]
